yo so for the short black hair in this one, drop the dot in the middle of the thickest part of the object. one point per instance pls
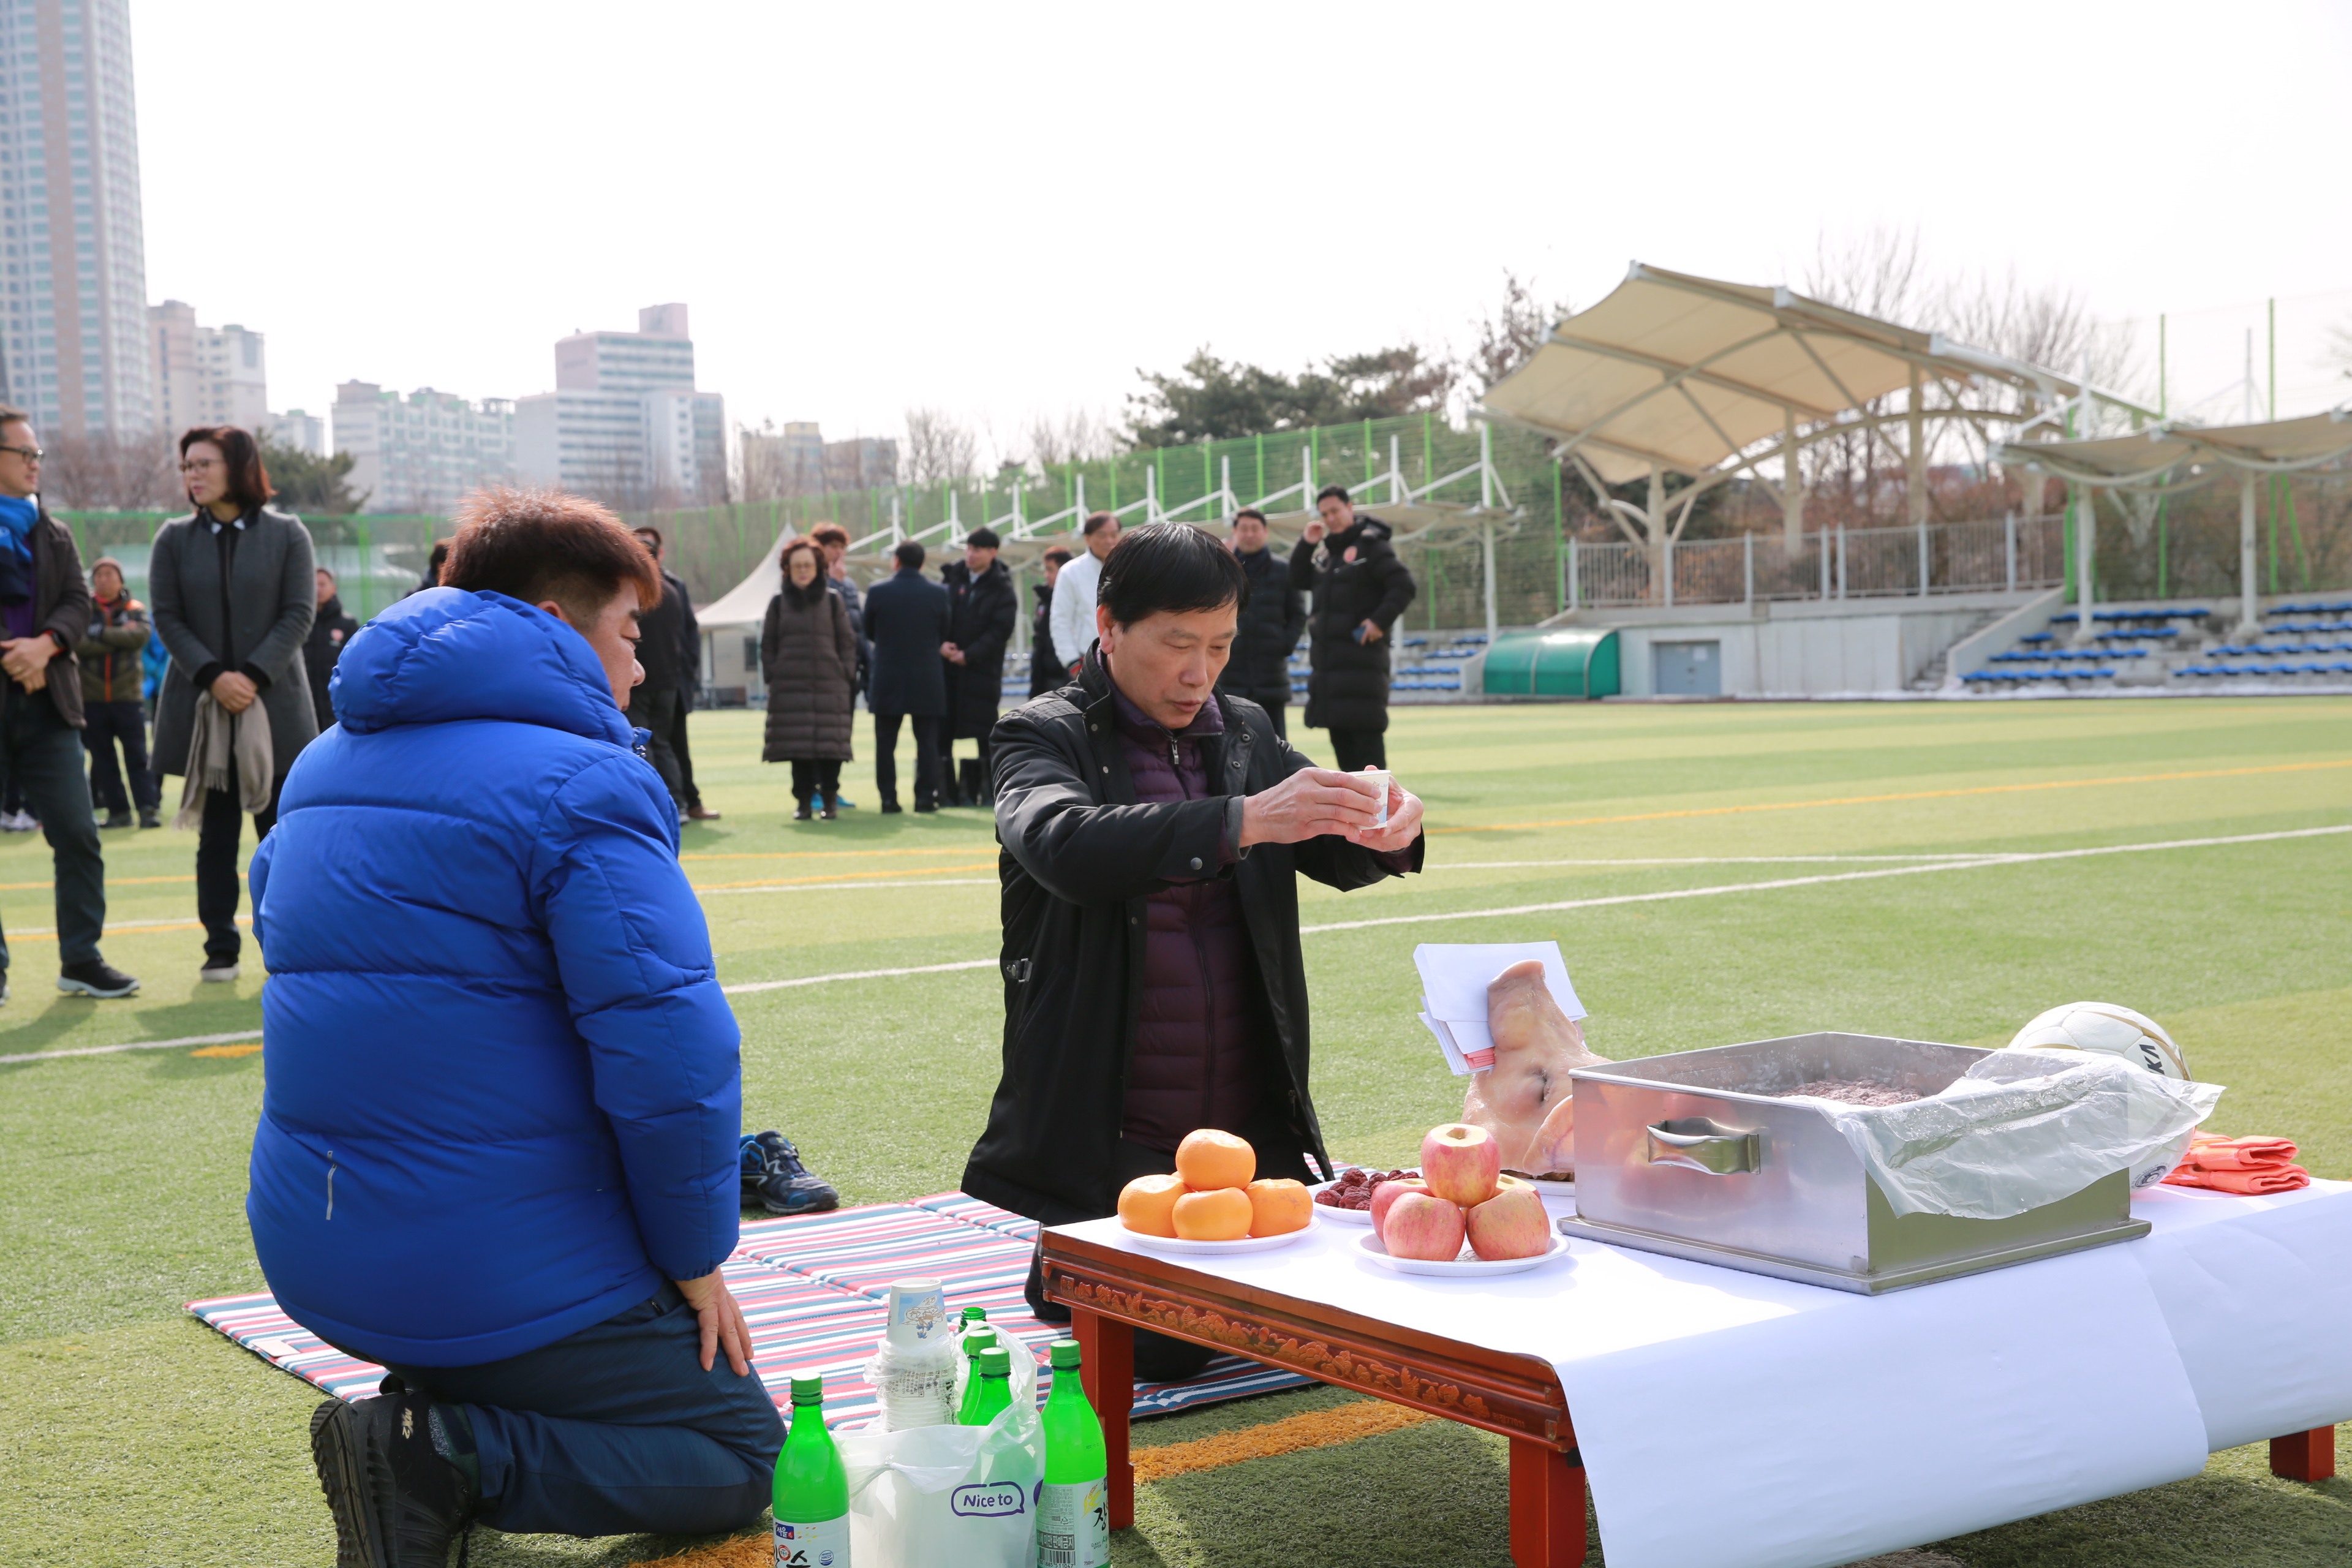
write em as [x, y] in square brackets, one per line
[541, 544]
[1169, 566]
[982, 538]
[646, 528]
[1247, 511]
[909, 555]
[1095, 521]
[1059, 555]
[1332, 492]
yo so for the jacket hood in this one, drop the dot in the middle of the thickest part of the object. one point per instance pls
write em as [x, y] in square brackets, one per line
[443, 655]
[1365, 530]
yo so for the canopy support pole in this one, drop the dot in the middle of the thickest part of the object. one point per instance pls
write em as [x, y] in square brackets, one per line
[2249, 615]
[1654, 525]
[1486, 530]
[1792, 487]
[1915, 459]
[2086, 549]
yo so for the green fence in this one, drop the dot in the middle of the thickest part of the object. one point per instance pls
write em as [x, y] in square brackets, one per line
[375, 560]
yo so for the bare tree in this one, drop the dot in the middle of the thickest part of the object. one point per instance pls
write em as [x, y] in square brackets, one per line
[107, 472]
[2339, 348]
[1509, 338]
[1076, 435]
[940, 449]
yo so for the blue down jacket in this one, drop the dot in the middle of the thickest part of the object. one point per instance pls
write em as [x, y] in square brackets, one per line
[502, 1091]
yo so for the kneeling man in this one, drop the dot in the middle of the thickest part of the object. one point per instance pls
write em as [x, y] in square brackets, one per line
[498, 1149]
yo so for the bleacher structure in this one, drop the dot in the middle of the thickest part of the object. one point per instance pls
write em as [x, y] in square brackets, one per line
[1425, 667]
[2298, 644]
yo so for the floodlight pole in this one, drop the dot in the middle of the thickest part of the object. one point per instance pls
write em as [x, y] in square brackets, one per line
[2249, 619]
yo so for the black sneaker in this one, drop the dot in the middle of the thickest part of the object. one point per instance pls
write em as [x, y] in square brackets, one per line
[95, 978]
[116, 818]
[151, 817]
[397, 1502]
[788, 1186]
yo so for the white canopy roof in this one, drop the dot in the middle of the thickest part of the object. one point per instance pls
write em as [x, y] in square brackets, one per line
[746, 604]
[2145, 457]
[1686, 372]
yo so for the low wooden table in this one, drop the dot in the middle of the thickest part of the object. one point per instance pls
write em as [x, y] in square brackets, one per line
[1111, 1293]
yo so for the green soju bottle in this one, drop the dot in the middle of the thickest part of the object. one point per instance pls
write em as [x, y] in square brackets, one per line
[812, 1492]
[1074, 1510]
[990, 1392]
[977, 1340]
[973, 1317]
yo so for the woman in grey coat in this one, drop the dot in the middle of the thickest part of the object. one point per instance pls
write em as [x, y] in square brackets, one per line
[232, 595]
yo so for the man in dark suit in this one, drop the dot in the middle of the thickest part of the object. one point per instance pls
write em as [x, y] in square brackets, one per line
[907, 620]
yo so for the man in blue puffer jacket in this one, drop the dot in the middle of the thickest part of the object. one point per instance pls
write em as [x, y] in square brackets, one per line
[498, 1149]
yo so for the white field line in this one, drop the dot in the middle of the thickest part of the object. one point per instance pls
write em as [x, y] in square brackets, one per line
[37, 934]
[1998, 859]
[841, 887]
[1703, 860]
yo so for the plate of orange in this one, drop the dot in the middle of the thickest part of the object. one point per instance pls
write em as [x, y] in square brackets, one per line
[1212, 1204]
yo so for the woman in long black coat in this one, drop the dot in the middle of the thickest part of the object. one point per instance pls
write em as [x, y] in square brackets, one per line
[1361, 589]
[809, 655]
[981, 607]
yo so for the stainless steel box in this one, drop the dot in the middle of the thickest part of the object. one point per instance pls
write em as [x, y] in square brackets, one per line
[1688, 1154]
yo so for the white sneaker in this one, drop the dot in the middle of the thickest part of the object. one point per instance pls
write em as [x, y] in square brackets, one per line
[217, 971]
[17, 822]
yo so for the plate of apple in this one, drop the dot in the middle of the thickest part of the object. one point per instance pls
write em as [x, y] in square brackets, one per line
[1462, 1217]
[1215, 1205]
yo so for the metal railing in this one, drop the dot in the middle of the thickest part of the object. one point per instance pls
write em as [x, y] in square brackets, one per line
[2008, 555]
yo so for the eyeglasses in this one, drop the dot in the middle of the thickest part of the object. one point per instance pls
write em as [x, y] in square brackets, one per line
[30, 454]
[200, 465]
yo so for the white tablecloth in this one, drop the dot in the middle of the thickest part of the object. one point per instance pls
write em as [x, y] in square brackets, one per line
[1743, 1422]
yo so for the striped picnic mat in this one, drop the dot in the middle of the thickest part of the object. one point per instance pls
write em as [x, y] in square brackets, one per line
[812, 1288]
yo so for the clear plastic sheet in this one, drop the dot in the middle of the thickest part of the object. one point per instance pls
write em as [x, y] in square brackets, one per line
[2018, 1130]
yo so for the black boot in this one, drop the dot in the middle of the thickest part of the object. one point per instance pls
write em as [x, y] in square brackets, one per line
[950, 792]
[969, 782]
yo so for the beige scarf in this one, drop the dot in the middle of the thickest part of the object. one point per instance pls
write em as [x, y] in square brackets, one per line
[225, 754]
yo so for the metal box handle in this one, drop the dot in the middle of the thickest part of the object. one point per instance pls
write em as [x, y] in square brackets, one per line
[1698, 1144]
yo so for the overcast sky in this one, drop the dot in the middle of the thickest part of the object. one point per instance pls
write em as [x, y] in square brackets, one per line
[1007, 209]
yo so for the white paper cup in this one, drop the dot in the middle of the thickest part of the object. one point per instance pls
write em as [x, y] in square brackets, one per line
[1380, 776]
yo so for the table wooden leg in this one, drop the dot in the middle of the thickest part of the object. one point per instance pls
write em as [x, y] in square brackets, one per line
[2305, 1456]
[1106, 1347]
[1547, 1506]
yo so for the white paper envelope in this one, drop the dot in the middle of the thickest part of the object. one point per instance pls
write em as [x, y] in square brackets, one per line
[1453, 977]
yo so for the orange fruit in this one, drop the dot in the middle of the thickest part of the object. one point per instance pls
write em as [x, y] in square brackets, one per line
[1209, 1159]
[1148, 1203]
[1222, 1213]
[1279, 1205]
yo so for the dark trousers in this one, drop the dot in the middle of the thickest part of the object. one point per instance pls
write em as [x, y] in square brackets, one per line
[654, 709]
[930, 732]
[41, 756]
[108, 722]
[688, 793]
[1275, 711]
[219, 889]
[808, 778]
[615, 1430]
[1357, 750]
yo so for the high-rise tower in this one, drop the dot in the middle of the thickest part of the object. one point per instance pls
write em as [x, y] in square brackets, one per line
[73, 322]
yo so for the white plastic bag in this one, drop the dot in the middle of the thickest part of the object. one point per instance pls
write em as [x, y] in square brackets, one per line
[948, 1497]
[2018, 1130]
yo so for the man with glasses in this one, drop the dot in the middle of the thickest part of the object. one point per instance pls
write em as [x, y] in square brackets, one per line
[46, 606]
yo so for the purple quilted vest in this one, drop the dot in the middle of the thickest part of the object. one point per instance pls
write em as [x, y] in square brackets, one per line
[1196, 1038]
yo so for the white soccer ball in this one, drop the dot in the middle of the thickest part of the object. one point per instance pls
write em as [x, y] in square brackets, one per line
[2118, 1032]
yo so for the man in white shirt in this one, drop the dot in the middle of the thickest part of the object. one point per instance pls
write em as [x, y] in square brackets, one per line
[1074, 592]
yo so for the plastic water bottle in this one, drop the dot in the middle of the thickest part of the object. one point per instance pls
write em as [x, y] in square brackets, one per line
[975, 1344]
[993, 1392]
[914, 1370]
[812, 1490]
[1073, 1508]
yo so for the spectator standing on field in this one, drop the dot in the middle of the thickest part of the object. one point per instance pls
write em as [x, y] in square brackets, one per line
[808, 655]
[45, 611]
[652, 706]
[111, 672]
[834, 540]
[907, 619]
[1272, 616]
[1361, 588]
[689, 676]
[1047, 670]
[235, 591]
[498, 1145]
[981, 607]
[330, 630]
[1073, 591]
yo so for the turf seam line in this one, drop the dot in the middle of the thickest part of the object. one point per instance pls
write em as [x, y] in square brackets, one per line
[1991, 859]
[1883, 799]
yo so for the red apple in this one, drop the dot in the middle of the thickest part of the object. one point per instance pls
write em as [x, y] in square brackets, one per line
[1511, 1224]
[1387, 1193]
[1461, 1163]
[1424, 1226]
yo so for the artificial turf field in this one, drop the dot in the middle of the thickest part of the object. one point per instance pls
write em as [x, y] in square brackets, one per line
[131, 1435]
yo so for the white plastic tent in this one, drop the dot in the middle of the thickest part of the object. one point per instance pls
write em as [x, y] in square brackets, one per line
[746, 604]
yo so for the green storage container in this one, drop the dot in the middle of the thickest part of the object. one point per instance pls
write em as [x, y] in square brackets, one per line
[1571, 661]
